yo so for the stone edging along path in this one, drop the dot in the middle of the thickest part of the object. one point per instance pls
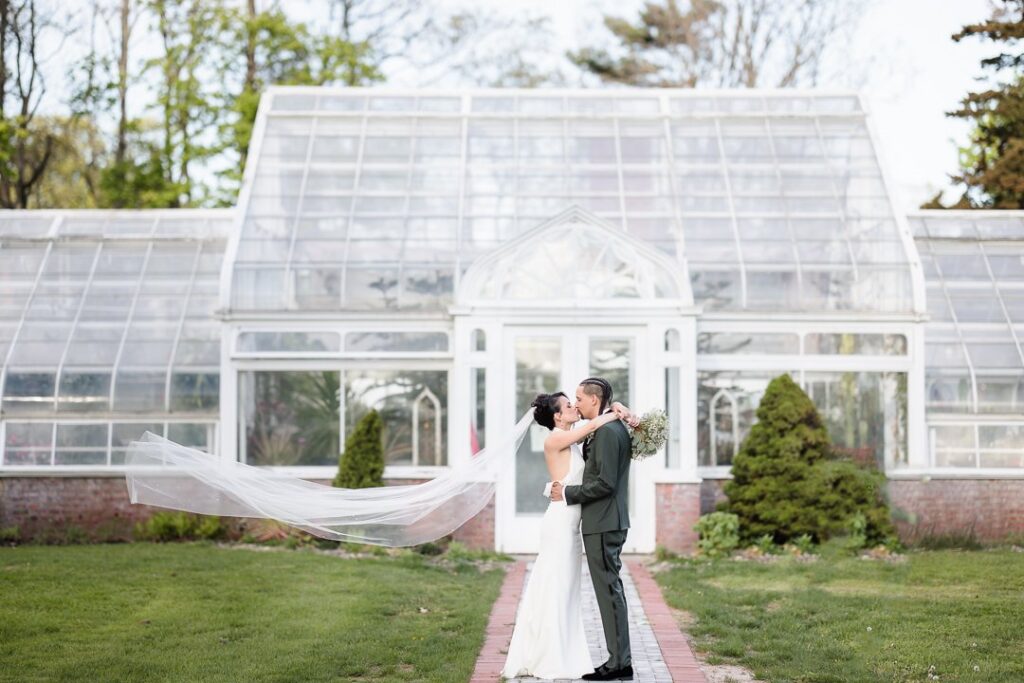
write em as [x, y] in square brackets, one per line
[678, 658]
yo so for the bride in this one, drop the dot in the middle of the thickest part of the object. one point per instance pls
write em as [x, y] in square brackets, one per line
[548, 640]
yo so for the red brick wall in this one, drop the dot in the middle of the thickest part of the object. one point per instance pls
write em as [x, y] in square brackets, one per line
[994, 508]
[677, 510]
[46, 507]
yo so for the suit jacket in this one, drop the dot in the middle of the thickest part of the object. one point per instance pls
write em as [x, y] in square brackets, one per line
[604, 493]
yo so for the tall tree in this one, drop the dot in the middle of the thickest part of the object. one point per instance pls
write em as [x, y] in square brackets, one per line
[992, 162]
[73, 174]
[263, 47]
[187, 31]
[26, 141]
[720, 43]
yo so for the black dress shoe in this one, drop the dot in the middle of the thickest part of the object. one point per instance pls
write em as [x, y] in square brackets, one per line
[623, 674]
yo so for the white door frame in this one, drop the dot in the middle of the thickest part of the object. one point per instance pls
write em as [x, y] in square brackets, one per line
[520, 533]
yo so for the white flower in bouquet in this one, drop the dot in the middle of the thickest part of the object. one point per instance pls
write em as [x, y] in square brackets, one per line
[650, 435]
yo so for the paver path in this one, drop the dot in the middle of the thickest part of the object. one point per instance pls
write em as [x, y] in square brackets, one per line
[660, 651]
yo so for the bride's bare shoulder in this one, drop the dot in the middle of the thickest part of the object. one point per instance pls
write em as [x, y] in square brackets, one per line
[555, 442]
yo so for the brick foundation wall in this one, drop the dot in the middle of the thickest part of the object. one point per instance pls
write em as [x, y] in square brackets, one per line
[46, 508]
[677, 510]
[98, 508]
[710, 494]
[993, 508]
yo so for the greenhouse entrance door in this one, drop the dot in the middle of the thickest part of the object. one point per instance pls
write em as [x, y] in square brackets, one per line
[545, 360]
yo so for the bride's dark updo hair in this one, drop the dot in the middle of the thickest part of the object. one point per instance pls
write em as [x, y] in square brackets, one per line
[544, 408]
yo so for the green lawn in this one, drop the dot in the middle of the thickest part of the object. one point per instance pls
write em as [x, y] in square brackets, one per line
[847, 619]
[196, 612]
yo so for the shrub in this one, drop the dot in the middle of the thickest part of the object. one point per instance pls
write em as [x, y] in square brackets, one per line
[719, 533]
[804, 543]
[362, 464]
[768, 491]
[663, 554]
[10, 534]
[765, 544]
[858, 532]
[179, 526]
[784, 484]
[843, 490]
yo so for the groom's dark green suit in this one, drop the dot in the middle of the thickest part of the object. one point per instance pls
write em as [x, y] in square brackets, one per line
[604, 497]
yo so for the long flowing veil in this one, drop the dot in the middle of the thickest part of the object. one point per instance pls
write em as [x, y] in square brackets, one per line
[166, 474]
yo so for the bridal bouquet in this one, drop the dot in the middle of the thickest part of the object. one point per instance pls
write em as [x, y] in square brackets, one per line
[650, 435]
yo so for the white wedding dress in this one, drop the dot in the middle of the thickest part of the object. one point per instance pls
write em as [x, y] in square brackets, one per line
[548, 640]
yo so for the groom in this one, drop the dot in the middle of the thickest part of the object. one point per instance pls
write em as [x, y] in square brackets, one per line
[604, 496]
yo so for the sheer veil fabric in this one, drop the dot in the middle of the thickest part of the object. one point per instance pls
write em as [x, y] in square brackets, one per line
[166, 474]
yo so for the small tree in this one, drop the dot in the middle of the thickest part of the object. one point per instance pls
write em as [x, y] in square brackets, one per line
[769, 490]
[362, 464]
[785, 482]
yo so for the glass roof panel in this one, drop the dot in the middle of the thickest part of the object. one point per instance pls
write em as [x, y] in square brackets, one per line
[776, 189]
[974, 269]
[95, 308]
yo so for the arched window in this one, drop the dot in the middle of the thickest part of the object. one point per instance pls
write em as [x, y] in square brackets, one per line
[672, 342]
[478, 340]
[724, 424]
[426, 429]
[575, 256]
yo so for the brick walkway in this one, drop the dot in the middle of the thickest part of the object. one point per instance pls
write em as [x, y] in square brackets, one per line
[660, 651]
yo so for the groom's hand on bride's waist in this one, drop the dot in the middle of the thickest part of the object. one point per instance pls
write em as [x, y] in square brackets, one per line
[556, 491]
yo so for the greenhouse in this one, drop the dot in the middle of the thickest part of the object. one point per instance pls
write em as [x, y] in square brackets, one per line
[443, 256]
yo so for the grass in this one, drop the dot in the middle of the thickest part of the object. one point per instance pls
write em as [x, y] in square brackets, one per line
[847, 619]
[199, 612]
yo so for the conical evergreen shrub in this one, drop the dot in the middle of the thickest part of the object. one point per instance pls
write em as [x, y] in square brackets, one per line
[784, 485]
[362, 464]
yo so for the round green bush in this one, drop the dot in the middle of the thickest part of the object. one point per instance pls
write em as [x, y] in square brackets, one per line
[362, 464]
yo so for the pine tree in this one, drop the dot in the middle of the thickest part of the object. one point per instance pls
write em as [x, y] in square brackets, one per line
[362, 464]
[771, 471]
[785, 482]
[992, 163]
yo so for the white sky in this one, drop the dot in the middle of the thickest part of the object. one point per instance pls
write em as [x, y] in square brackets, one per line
[901, 57]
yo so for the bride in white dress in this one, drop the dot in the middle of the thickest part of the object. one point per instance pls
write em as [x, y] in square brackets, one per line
[548, 640]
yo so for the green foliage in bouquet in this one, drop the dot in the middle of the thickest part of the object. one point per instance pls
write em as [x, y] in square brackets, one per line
[650, 435]
[362, 464]
[784, 485]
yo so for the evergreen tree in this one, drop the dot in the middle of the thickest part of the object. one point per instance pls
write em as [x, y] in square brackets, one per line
[784, 483]
[362, 464]
[992, 163]
[773, 466]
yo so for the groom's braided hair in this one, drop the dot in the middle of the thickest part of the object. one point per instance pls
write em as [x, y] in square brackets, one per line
[598, 386]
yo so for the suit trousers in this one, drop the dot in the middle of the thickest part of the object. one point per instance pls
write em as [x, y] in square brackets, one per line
[603, 551]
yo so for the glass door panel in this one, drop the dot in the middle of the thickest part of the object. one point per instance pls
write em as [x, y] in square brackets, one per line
[538, 370]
